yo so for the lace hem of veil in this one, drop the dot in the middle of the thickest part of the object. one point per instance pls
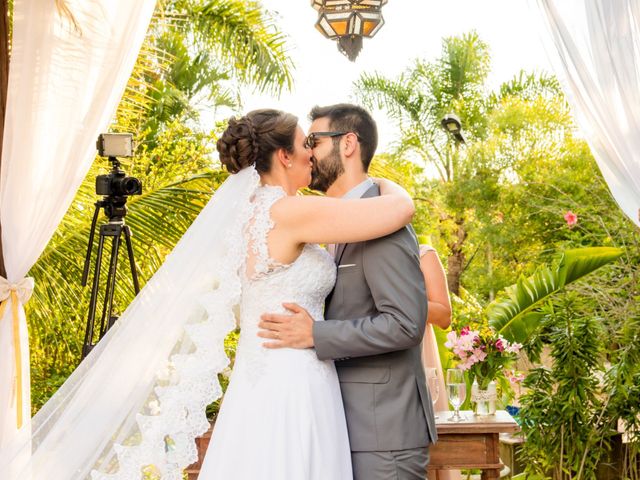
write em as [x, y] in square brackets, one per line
[163, 444]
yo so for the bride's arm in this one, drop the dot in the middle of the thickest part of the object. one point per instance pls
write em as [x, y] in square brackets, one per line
[310, 219]
[435, 279]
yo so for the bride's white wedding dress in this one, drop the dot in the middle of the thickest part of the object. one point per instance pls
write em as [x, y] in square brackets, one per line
[282, 416]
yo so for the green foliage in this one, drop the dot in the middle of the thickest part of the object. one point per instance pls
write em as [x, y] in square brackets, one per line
[526, 119]
[243, 36]
[622, 383]
[195, 56]
[419, 98]
[230, 345]
[563, 407]
[514, 316]
[526, 476]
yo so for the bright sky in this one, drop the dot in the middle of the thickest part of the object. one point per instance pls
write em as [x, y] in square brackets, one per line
[412, 29]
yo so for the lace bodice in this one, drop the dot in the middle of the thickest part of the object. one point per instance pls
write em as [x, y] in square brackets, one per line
[306, 281]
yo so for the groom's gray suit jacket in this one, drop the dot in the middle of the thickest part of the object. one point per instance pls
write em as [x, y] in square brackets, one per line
[375, 320]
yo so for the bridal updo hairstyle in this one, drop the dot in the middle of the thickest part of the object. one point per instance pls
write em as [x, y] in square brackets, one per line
[252, 139]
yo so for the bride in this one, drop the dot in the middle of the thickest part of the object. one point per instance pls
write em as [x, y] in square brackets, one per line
[133, 407]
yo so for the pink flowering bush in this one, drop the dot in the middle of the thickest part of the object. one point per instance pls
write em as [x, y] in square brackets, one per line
[484, 355]
[571, 219]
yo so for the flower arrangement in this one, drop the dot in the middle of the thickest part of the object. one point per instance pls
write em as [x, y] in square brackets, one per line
[484, 355]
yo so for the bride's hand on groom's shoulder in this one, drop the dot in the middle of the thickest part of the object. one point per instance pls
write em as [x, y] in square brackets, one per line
[294, 330]
[389, 187]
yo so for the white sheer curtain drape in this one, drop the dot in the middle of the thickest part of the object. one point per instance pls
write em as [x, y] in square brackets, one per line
[65, 82]
[596, 54]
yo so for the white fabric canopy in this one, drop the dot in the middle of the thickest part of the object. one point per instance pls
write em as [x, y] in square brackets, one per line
[596, 54]
[64, 86]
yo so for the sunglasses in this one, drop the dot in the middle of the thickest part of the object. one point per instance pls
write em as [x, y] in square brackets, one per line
[312, 139]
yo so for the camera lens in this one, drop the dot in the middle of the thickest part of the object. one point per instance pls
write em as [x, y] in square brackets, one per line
[131, 186]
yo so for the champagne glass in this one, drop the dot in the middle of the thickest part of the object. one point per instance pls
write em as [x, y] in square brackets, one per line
[434, 386]
[456, 391]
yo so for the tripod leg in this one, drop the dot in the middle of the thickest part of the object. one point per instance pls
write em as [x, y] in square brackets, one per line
[132, 262]
[87, 260]
[88, 336]
[111, 282]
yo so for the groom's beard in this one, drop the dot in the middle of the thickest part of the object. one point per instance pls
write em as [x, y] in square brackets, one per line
[325, 172]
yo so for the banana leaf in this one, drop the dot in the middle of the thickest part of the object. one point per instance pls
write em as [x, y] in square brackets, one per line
[514, 316]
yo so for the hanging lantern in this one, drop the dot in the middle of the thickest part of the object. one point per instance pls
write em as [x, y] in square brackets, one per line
[348, 22]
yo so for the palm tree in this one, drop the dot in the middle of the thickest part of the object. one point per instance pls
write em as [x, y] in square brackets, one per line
[420, 97]
[194, 51]
[418, 100]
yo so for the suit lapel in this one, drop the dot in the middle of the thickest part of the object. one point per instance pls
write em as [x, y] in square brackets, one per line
[372, 191]
[339, 251]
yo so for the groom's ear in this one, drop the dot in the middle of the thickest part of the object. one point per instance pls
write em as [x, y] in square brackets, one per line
[350, 144]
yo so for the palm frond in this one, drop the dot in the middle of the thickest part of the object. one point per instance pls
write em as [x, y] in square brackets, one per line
[400, 101]
[529, 86]
[245, 37]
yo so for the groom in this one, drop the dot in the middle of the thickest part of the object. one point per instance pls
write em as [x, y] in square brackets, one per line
[375, 316]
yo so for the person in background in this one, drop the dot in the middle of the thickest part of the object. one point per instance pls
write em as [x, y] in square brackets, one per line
[438, 314]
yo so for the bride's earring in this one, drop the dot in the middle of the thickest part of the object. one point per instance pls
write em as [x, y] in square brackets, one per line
[289, 165]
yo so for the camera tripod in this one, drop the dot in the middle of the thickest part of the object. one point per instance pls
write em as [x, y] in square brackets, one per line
[115, 209]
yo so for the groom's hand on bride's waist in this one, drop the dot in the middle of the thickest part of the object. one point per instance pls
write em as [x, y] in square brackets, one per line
[294, 330]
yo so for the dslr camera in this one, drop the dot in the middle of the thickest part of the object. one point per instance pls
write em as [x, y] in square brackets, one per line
[116, 183]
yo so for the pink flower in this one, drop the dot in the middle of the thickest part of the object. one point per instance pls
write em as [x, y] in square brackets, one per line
[452, 339]
[571, 218]
[515, 377]
[479, 354]
[513, 348]
[465, 331]
[467, 363]
[466, 342]
[457, 350]
[500, 345]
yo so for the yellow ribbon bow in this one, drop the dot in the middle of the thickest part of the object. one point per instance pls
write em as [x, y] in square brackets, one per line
[17, 292]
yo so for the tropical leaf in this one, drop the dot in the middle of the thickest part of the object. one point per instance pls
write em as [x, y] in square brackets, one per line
[401, 101]
[528, 86]
[514, 316]
[243, 36]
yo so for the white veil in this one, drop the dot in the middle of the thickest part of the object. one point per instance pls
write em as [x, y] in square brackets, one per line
[137, 402]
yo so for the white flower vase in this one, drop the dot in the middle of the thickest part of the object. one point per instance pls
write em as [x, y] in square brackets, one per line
[484, 400]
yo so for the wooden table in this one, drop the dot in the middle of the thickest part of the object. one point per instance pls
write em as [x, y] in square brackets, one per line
[473, 443]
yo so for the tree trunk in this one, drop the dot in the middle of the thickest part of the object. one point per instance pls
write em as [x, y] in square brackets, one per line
[490, 271]
[4, 83]
[455, 261]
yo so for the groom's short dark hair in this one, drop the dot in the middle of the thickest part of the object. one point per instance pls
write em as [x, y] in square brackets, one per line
[345, 117]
